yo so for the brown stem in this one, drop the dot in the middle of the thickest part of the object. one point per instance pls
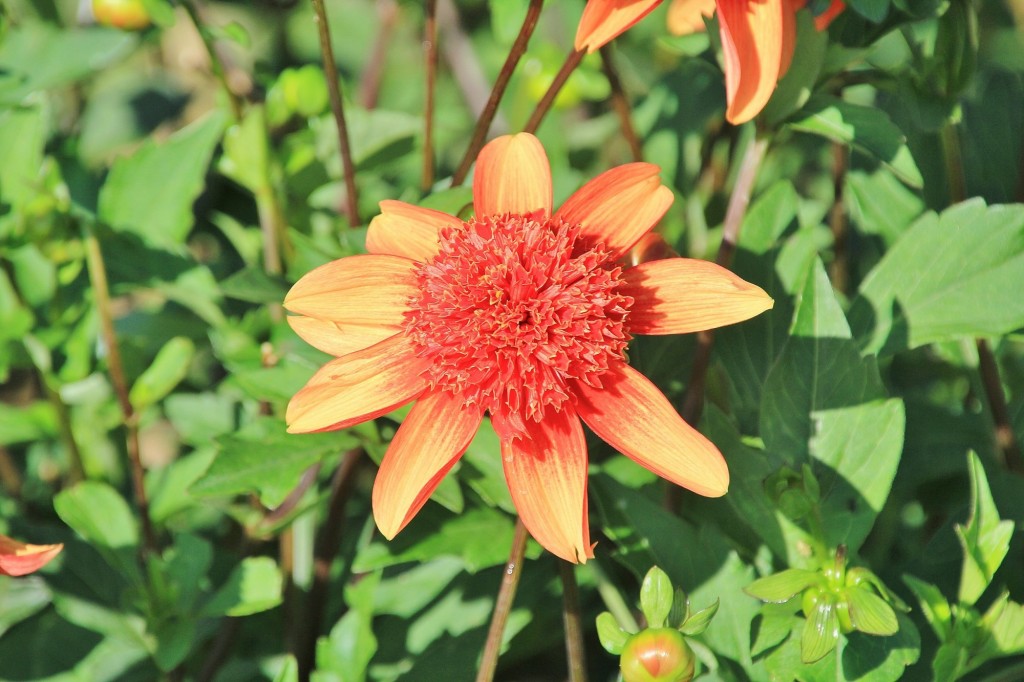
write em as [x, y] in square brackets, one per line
[1009, 448]
[503, 604]
[216, 63]
[483, 124]
[327, 544]
[840, 266]
[369, 91]
[544, 105]
[430, 44]
[573, 621]
[67, 433]
[334, 89]
[101, 291]
[220, 649]
[281, 512]
[620, 102]
[954, 163]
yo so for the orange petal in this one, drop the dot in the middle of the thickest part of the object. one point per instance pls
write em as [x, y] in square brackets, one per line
[360, 290]
[751, 33]
[619, 206]
[339, 339]
[652, 246]
[18, 558]
[402, 229]
[822, 21]
[547, 476]
[512, 176]
[635, 418]
[788, 36]
[428, 443]
[687, 16]
[358, 386]
[683, 295]
[604, 20]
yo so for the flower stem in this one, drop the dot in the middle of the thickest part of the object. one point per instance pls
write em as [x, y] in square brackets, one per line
[334, 89]
[612, 597]
[430, 43]
[544, 105]
[216, 63]
[840, 266]
[621, 104]
[101, 291]
[503, 604]
[369, 90]
[483, 124]
[571, 617]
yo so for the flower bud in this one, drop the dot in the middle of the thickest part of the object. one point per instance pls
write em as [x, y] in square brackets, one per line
[657, 655]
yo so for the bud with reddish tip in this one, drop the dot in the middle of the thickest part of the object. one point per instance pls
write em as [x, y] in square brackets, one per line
[657, 655]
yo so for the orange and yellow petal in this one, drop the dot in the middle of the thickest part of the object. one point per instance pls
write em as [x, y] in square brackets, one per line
[684, 295]
[19, 558]
[618, 207]
[512, 176]
[427, 445]
[337, 339]
[358, 386]
[635, 418]
[361, 290]
[546, 472]
[406, 230]
[605, 20]
[687, 16]
[752, 36]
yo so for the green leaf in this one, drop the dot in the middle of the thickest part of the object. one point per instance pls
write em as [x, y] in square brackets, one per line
[36, 421]
[254, 586]
[784, 585]
[656, 595]
[174, 639]
[867, 129]
[350, 647]
[168, 369]
[21, 599]
[925, 290]
[151, 192]
[698, 622]
[289, 672]
[253, 285]
[23, 133]
[950, 662]
[1004, 621]
[612, 637]
[985, 539]
[869, 613]
[820, 633]
[101, 516]
[873, 10]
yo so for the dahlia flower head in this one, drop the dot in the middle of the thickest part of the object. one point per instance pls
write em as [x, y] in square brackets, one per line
[522, 314]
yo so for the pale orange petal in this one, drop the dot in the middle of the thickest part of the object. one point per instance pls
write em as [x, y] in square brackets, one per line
[822, 21]
[358, 386]
[683, 295]
[360, 290]
[512, 176]
[433, 436]
[337, 339]
[751, 33]
[402, 229]
[687, 16]
[635, 418]
[18, 558]
[547, 475]
[604, 20]
[619, 206]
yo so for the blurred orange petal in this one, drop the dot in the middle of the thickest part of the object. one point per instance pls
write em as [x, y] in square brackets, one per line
[512, 176]
[604, 20]
[752, 36]
[687, 16]
[18, 558]
[406, 230]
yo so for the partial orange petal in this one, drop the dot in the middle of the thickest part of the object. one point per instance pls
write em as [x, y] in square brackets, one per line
[339, 339]
[547, 476]
[359, 290]
[18, 558]
[605, 20]
[358, 387]
[619, 206]
[687, 16]
[683, 295]
[635, 418]
[428, 443]
[512, 176]
[788, 37]
[402, 229]
[751, 33]
[822, 21]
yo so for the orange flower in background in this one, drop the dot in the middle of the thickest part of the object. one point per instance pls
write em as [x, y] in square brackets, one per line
[523, 314]
[17, 558]
[757, 39]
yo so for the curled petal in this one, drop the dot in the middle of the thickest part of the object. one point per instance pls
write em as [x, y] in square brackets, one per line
[635, 418]
[822, 21]
[433, 436]
[605, 20]
[358, 386]
[687, 16]
[18, 558]
[512, 176]
[406, 230]
[752, 34]
[546, 472]
[683, 295]
[358, 290]
[619, 206]
[337, 339]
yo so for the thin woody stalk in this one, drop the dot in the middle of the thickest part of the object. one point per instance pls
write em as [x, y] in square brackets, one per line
[216, 64]
[620, 103]
[547, 101]
[430, 39]
[573, 621]
[503, 604]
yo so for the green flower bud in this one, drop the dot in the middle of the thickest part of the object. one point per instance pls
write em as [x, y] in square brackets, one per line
[657, 655]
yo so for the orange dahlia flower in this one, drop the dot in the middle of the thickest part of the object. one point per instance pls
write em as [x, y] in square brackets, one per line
[17, 558]
[757, 39]
[520, 313]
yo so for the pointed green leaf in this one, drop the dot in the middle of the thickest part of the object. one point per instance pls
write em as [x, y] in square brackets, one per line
[254, 586]
[101, 516]
[1005, 623]
[784, 585]
[933, 605]
[950, 662]
[168, 369]
[289, 672]
[612, 637]
[985, 539]
[698, 622]
[869, 613]
[656, 596]
[821, 632]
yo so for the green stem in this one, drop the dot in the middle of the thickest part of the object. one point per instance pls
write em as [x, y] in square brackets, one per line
[503, 604]
[571, 617]
[216, 64]
[612, 598]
